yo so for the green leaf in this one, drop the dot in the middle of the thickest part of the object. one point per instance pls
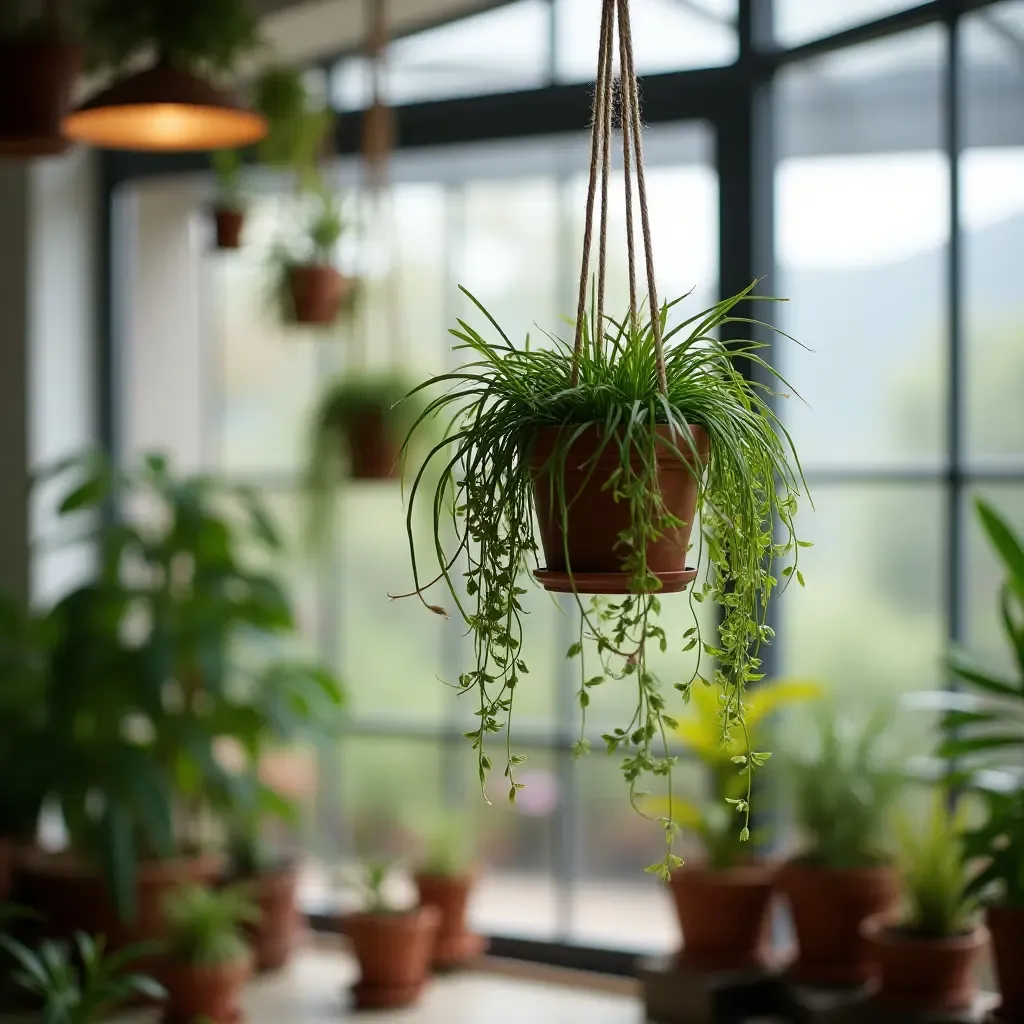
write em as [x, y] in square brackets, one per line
[1002, 539]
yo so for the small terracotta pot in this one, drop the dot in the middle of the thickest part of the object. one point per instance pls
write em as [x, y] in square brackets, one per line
[274, 937]
[595, 519]
[724, 916]
[204, 993]
[229, 224]
[373, 451]
[828, 908]
[455, 944]
[318, 291]
[394, 953]
[36, 76]
[923, 975]
[1007, 929]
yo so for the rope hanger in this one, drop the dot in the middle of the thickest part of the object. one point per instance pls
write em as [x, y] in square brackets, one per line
[615, 17]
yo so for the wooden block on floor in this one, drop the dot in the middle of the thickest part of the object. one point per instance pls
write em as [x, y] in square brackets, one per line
[676, 993]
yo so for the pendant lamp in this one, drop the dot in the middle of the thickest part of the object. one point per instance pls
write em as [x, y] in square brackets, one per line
[164, 109]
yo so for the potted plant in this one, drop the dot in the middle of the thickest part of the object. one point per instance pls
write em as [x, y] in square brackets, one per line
[38, 66]
[445, 879]
[393, 946]
[844, 789]
[926, 958]
[80, 984]
[229, 206]
[208, 960]
[723, 901]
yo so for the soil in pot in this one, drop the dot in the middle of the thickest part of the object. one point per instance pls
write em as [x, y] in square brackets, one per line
[394, 953]
[828, 908]
[455, 944]
[1007, 929]
[36, 77]
[923, 975]
[373, 450]
[318, 291]
[595, 520]
[274, 937]
[724, 916]
[209, 994]
[229, 224]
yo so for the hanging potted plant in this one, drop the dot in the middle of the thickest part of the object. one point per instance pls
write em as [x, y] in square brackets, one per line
[229, 206]
[208, 960]
[926, 958]
[844, 790]
[723, 902]
[38, 67]
[393, 946]
[445, 879]
[603, 450]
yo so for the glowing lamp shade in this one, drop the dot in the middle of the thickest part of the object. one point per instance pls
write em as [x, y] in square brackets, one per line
[164, 109]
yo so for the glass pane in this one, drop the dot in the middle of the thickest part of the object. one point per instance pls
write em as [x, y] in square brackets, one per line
[992, 212]
[667, 36]
[797, 21]
[862, 228]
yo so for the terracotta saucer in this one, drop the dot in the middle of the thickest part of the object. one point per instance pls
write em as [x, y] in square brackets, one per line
[608, 582]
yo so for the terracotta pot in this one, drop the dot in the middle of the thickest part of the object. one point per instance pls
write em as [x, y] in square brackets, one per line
[229, 225]
[724, 916]
[36, 77]
[318, 291]
[394, 953]
[923, 975]
[204, 993]
[1007, 929]
[828, 908]
[276, 934]
[455, 944]
[595, 519]
[373, 451]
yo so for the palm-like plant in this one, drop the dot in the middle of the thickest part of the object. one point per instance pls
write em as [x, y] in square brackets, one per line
[206, 925]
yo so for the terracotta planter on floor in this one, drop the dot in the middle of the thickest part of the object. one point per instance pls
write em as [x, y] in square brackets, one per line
[922, 975]
[455, 944]
[36, 77]
[229, 224]
[208, 994]
[394, 953]
[373, 450]
[318, 291]
[595, 519]
[828, 908]
[1007, 929]
[724, 916]
[274, 937]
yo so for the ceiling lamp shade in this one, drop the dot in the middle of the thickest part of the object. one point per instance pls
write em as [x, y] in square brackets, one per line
[164, 109]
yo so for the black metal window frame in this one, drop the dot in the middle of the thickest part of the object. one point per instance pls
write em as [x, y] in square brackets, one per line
[737, 102]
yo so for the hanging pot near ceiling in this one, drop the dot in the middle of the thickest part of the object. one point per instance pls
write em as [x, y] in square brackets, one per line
[229, 224]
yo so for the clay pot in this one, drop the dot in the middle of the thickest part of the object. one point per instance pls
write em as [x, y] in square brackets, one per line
[455, 944]
[276, 934]
[724, 916]
[1007, 929]
[229, 224]
[828, 908]
[394, 953]
[923, 975]
[595, 519]
[318, 291]
[36, 77]
[204, 993]
[373, 451]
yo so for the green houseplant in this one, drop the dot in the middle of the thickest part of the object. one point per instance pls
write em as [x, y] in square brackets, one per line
[393, 945]
[208, 958]
[229, 205]
[723, 903]
[844, 788]
[927, 956]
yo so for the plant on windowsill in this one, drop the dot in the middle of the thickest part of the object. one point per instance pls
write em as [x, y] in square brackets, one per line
[229, 205]
[208, 960]
[926, 957]
[723, 903]
[844, 788]
[393, 945]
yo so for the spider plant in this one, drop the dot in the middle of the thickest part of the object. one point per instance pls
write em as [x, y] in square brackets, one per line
[498, 403]
[206, 925]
